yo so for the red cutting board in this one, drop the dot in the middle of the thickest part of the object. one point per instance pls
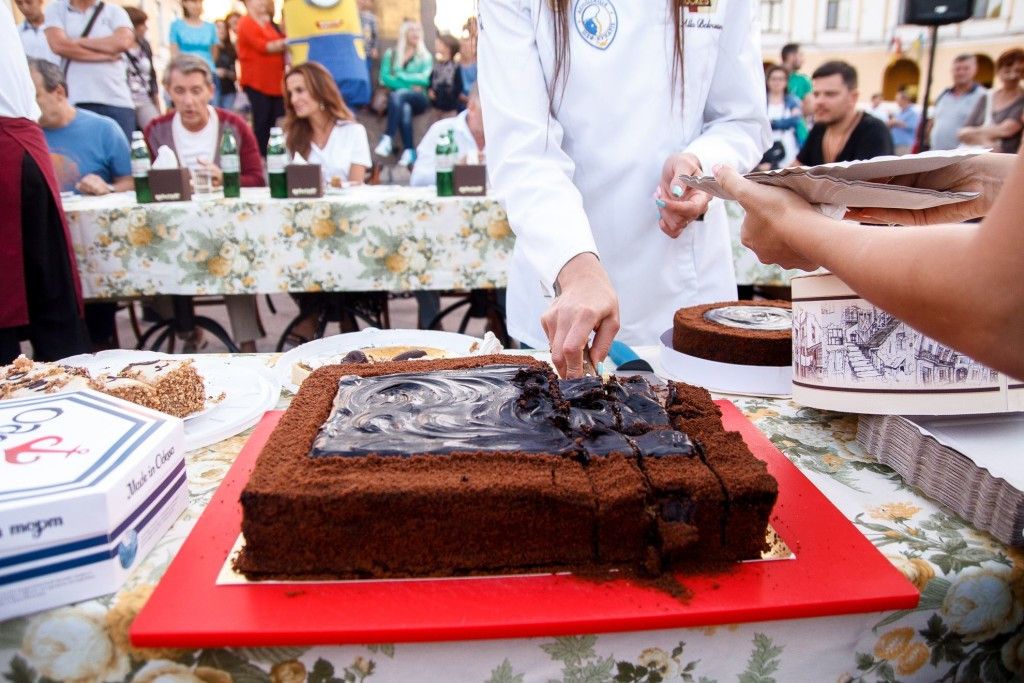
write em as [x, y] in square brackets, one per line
[836, 571]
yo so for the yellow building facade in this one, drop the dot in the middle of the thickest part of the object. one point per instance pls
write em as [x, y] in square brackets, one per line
[888, 54]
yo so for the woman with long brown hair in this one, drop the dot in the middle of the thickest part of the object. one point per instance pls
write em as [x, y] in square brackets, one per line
[590, 108]
[319, 126]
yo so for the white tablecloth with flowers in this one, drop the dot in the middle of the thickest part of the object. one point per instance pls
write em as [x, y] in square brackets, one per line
[967, 627]
[382, 238]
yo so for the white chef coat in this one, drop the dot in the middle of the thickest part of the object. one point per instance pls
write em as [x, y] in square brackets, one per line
[581, 178]
[425, 170]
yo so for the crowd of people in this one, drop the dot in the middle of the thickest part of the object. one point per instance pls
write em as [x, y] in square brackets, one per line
[92, 72]
[965, 114]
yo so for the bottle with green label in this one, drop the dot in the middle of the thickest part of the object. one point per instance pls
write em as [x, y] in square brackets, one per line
[443, 160]
[140, 168]
[277, 160]
[229, 163]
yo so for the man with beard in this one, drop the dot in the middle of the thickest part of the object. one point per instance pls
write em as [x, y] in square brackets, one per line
[841, 132]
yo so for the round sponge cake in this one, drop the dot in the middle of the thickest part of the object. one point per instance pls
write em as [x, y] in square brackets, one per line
[736, 332]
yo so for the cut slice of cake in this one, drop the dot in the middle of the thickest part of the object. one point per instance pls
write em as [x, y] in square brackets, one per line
[171, 386]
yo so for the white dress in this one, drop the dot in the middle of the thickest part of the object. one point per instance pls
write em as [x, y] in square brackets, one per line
[346, 145]
[582, 179]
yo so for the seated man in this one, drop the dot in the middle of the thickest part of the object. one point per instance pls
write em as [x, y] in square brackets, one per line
[469, 136]
[193, 129]
[841, 132]
[90, 153]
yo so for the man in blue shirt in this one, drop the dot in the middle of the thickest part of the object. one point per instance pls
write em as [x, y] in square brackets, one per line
[90, 153]
[903, 124]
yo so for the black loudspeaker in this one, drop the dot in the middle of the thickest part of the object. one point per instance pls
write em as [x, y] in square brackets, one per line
[937, 12]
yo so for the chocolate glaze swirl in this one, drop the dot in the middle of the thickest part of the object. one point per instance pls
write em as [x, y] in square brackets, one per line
[494, 408]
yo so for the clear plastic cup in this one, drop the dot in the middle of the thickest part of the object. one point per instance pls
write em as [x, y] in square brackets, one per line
[202, 183]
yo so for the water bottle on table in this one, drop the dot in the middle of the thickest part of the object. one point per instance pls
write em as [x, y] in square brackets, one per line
[140, 168]
[277, 160]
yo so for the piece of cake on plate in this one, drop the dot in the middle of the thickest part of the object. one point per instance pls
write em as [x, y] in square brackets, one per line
[171, 386]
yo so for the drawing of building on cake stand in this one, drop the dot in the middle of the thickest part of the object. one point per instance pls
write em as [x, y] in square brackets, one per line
[860, 344]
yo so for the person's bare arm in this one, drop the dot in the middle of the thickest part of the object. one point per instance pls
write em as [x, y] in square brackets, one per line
[981, 135]
[114, 44]
[957, 283]
[586, 303]
[72, 49]
[124, 183]
[356, 174]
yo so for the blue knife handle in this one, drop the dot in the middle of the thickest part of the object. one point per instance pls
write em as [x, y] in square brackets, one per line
[621, 353]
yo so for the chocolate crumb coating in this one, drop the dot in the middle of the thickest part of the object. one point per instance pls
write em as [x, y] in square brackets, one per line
[481, 465]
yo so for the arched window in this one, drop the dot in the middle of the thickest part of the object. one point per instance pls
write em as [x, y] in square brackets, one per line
[902, 73]
[986, 70]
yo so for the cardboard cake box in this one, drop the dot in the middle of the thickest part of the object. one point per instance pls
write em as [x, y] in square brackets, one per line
[852, 356]
[88, 484]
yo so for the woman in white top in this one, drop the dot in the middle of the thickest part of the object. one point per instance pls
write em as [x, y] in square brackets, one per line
[319, 126]
[590, 107]
[785, 113]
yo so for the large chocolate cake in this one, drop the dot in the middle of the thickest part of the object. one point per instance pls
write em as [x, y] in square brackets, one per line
[492, 465]
[736, 332]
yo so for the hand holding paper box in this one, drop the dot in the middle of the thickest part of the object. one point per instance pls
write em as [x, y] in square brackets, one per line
[882, 182]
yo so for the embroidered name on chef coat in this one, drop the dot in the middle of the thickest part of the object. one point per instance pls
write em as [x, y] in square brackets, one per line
[597, 22]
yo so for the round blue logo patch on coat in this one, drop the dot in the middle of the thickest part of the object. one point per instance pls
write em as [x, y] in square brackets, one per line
[596, 22]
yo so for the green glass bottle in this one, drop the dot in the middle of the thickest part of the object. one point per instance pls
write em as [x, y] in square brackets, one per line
[277, 160]
[140, 168]
[445, 166]
[230, 165]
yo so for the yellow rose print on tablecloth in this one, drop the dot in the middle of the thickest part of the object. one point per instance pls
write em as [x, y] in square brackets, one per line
[141, 236]
[396, 263]
[894, 512]
[499, 230]
[343, 225]
[918, 571]
[218, 266]
[291, 671]
[899, 646]
[323, 228]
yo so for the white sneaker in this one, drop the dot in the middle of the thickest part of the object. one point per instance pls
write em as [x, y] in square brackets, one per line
[384, 147]
[408, 157]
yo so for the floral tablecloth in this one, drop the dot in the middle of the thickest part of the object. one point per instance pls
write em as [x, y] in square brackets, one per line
[383, 238]
[380, 238]
[968, 625]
